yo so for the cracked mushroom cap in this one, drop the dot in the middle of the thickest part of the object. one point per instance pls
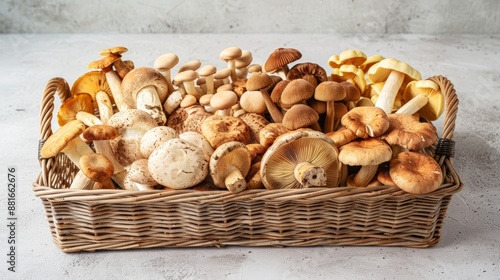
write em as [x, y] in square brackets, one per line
[154, 138]
[366, 121]
[132, 125]
[256, 122]
[415, 173]
[409, 133]
[139, 78]
[221, 129]
[178, 164]
[283, 163]
[188, 119]
[78, 103]
[229, 165]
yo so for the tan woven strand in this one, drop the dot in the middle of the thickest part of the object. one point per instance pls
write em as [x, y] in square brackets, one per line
[93, 220]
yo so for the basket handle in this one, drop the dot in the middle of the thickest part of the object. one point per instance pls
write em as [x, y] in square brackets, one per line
[55, 85]
[446, 145]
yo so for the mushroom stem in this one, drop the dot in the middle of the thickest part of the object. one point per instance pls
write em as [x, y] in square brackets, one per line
[231, 64]
[104, 147]
[330, 117]
[209, 83]
[173, 101]
[75, 149]
[191, 89]
[273, 110]
[104, 105]
[365, 175]
[309, 175]
[283, 71]
[414, 105]
[235, 182]
[114, 82]
[122, 68]
[81, 182]
[168, 76]
[149, 101]
[388, 94]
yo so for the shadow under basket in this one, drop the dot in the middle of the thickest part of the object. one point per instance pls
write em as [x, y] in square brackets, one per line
[90, 220]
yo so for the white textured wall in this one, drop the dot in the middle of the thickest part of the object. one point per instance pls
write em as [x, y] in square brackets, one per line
[250, 16]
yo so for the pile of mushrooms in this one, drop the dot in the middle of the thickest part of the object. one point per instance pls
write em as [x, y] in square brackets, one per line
[280, 124]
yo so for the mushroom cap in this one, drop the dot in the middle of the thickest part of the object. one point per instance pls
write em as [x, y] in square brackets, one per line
[61, 137]
[77, 103]
[132, 125]
[352, 73]
[281, 57]
[366, 121]
[256, 122]
[230, 53]
[205, 99]
[415, 173]
[92, 82]
[187, 119]
[186, 76]
[299, 116]
[188, 100]
[297, 91]
[114, 50]
[352, 92]
[407, 132]
[140, 77]
[225, 157]
[354, 57]
[139, 173]
[364, 152]
[223, 100]
[166, 61]
[279, 161]
[100, 132]
[221, 129]
[254, 68]
[269, 133]
[435, 106]
[96, 167]
[154, 138]
[190, 65]
[178, 164]
[222, 73]
[329, 91]
[370, 61]
[341, 136]
[258, 81]
[380, 71]
[105, 62]
[308, 71]
[207, 70]
[253, 102]
[278, 90]
[244, 60]
[198, 140]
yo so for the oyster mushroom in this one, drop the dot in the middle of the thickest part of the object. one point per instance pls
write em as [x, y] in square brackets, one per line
[229, 164]
[178, 164]
[423, 97]
[300, 159]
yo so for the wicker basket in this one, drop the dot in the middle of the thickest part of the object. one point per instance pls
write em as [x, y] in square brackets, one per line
[83, 220]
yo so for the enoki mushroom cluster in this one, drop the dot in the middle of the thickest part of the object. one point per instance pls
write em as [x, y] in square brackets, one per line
[279, 124]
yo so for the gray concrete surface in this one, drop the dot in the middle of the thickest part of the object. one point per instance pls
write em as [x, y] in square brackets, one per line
[257, 16]
[470, 243]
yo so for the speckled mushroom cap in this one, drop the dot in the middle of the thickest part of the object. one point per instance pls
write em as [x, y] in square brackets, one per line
[139, 78]
[221, 129]
[188, 119]
[415, 173]
[366, 121]
[155, 137]
[293, 148]
[132, 125]
[256, 122]
[139, 173]
[178, 164]
[409, 133]
[227, 158]
[198, 140]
